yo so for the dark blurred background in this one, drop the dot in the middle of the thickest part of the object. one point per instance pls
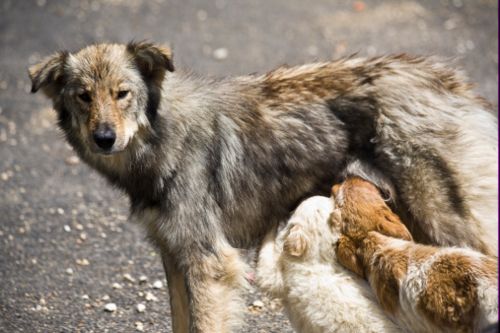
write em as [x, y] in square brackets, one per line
[66, 249]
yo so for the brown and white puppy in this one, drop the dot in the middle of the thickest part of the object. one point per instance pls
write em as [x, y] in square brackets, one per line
[298, 265]
[212, 165]
[424, 288]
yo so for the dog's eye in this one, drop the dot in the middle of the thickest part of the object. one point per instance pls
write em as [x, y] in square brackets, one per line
[122, 94]
[85, 97]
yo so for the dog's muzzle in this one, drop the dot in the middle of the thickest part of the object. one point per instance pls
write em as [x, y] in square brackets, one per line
[104, 137]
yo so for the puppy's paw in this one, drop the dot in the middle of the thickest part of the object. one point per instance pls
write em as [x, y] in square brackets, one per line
[346, 256]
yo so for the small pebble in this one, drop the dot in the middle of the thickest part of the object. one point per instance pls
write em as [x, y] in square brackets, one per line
[359, 6]
[60, 211]
[258, 304]
[450, 24]
[69, 271]
[85, 297]
[117, 286]
[82, 262]
[143, 278]
[141, 308]
[139, 326]
[83, 236]
[105, 297]
[220, 53]
[128, 277]
[202, 15]
[110, 307]
[67, 228]
[72, 160]
[150, 297]
[157, 284]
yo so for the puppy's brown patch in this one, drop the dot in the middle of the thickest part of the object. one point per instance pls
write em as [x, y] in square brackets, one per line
[450, 298]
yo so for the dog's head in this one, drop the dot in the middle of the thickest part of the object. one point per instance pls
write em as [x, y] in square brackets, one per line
[309, 234]
[104, 93]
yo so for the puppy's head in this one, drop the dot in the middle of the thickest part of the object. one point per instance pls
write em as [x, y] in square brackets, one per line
[307, 236]
[355, 190]
[104, 93]
[362, 208]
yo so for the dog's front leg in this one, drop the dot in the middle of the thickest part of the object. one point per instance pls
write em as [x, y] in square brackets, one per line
[214, 283]
[179, 307]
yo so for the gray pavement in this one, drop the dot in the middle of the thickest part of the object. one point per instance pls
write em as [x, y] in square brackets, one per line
[66, 248]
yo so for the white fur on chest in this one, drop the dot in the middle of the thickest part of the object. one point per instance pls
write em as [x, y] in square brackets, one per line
[322, 299]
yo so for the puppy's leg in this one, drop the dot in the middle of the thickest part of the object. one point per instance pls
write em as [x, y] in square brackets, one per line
[269, 276]
[214, 282]
[179, 307]
[346, 256]
[385, 260]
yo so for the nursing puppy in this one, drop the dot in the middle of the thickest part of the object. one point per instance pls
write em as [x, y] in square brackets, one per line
[212, 165]
[423, 288]
[298, 265]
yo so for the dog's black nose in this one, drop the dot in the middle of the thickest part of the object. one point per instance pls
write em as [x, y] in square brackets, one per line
[104, 137]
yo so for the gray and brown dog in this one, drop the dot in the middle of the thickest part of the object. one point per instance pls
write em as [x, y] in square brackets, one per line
[212, 165]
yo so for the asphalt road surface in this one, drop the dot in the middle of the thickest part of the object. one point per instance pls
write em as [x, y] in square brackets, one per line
[66, 248]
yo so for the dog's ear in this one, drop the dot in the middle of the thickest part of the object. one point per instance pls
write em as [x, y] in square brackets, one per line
[295, 242]
[48, 74]
[152, 60]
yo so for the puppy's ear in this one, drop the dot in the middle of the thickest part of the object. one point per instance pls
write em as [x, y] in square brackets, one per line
[335, 190]
[48, 74]
[335, 219]
[152, 60]
[295, 242]
[389, 224]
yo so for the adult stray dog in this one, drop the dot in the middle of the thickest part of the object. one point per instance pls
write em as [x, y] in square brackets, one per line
[212, 165]
[423, 288]
[298, 265]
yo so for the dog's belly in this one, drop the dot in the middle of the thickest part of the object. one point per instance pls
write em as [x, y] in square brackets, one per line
[246, 226]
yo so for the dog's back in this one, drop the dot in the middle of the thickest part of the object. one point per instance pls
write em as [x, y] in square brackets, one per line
[213, 164]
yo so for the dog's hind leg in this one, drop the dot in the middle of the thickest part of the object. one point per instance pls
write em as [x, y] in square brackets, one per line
[179, 307]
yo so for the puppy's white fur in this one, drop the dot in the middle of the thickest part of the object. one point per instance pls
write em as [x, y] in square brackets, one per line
[318, 294]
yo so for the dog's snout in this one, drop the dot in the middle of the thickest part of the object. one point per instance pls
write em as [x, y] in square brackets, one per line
[104, 137]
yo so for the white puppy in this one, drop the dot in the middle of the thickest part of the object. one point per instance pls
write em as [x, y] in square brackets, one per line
[319, 295]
